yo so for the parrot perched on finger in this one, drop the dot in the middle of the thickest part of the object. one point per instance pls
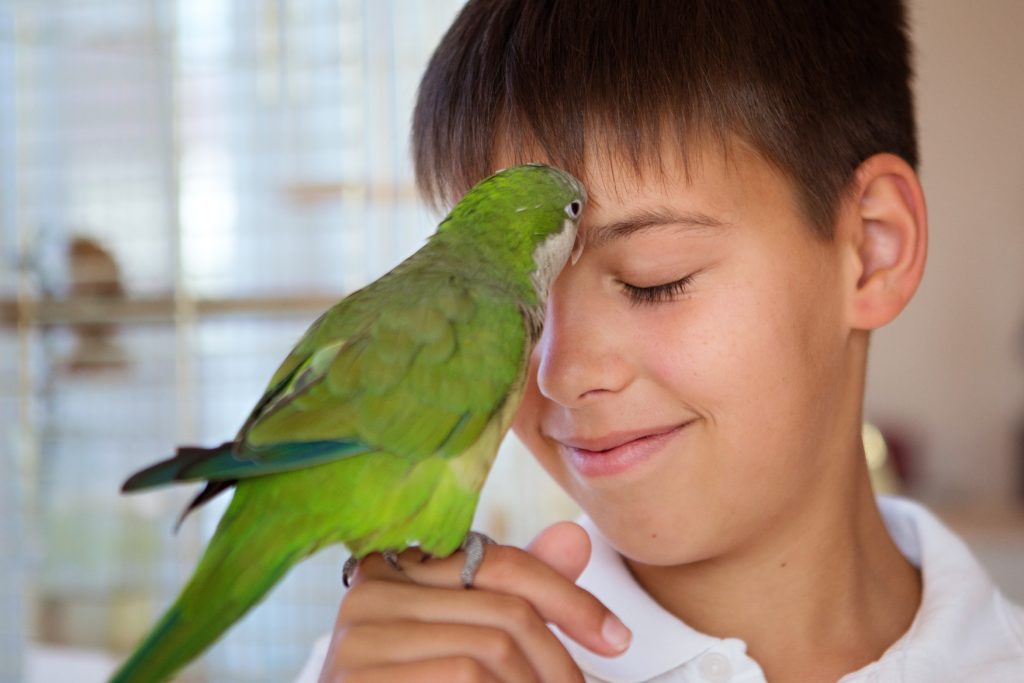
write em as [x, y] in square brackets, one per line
[379, 428]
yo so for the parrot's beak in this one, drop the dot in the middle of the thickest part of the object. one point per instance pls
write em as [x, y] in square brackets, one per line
[577, 249]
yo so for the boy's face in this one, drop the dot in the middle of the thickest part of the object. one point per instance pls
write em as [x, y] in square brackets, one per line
[688, 421]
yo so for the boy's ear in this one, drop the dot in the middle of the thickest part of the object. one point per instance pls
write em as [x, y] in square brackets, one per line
[885, 226]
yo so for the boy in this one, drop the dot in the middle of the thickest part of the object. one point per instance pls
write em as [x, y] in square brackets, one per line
[754, 213]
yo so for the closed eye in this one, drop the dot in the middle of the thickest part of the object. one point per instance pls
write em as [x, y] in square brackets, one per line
[656, 294]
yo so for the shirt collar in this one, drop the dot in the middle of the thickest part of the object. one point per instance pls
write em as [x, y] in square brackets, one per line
[959, 604]
[962, 620]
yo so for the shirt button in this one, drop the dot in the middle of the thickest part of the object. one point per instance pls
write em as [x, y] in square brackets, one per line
[715, 667]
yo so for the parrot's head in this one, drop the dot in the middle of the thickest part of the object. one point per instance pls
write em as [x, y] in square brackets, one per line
[528, 218]
[552, 223]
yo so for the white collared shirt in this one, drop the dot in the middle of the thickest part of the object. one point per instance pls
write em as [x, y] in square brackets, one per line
[964, 630]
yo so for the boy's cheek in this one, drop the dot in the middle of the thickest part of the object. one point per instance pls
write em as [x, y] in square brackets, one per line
[526, 424]
[527, 428]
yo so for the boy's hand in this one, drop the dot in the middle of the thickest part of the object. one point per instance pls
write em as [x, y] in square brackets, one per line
[422, 625]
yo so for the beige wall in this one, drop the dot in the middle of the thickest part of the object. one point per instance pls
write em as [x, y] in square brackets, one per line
[951, 368]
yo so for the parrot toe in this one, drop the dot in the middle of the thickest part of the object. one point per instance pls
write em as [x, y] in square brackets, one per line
[474, 547]
[390, 556]
[349, 569]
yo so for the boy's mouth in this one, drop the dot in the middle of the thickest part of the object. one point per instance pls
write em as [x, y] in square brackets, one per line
[617, 452]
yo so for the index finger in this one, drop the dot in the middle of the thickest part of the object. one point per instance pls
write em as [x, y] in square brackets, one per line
[558, 600]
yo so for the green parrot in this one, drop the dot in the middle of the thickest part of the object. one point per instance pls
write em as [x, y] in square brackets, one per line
[378, 429]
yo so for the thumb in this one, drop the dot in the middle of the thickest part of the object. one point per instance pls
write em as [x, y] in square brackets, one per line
[564, 546]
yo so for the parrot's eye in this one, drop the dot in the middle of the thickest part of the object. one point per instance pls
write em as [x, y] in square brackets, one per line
[572, 210]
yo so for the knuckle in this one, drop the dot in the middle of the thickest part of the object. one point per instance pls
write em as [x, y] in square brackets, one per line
[356, 598]
[365, 564]
[505, 562]
[507, 554]
[359, 590]
[375, 566]
[517, 612]
[465, 670]
[498, 646]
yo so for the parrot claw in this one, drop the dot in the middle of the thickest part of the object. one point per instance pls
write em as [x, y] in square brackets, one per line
[390, 556]
[474, 547]
[348, 570]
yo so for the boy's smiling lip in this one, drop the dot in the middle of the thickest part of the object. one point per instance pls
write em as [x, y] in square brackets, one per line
[616, 452]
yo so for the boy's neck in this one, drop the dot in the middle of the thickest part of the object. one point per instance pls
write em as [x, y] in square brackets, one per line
[811, 604]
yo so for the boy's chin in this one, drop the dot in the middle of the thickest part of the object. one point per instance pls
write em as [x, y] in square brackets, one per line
[661, 552]
[645, 538]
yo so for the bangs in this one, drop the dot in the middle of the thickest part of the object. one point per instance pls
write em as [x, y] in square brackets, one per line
[538, 84]
[564, 80]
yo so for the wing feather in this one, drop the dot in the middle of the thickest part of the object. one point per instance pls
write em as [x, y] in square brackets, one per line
[421, 374]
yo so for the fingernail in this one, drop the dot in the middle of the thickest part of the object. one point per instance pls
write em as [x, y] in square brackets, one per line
[615, 633]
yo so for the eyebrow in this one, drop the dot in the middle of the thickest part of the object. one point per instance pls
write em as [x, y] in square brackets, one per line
[689, 221]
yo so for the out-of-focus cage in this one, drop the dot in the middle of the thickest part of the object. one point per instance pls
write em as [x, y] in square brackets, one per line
[186, 185]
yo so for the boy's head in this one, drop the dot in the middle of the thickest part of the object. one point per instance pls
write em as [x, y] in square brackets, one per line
[753, 213]
[814, 87]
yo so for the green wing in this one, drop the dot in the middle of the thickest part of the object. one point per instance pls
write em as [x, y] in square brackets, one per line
[412, 373]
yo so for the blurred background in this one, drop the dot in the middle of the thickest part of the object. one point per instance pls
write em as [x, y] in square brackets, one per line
[186, 184]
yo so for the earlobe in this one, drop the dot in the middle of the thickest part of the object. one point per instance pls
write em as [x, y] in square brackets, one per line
[888, 236]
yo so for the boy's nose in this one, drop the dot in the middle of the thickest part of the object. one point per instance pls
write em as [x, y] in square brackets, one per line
[580, 356]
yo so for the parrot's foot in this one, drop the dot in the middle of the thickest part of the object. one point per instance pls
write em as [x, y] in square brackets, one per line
[474, 547]
[349, 569]
[390, 556]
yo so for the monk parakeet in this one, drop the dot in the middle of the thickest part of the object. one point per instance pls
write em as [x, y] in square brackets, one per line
[378, 429]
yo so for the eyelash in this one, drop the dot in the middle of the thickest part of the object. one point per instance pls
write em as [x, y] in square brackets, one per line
[644, 296]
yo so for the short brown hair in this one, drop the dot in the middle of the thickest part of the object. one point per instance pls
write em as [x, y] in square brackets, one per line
[814, 86]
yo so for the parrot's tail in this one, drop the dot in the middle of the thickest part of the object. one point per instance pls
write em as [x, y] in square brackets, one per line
[245, 558]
